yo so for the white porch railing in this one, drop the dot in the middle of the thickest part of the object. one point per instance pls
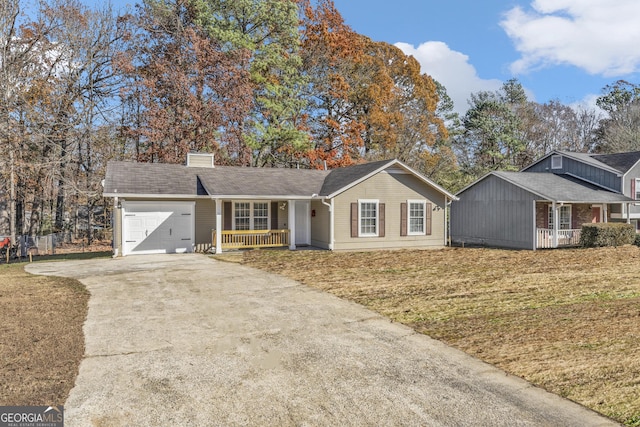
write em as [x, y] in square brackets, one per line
[565, 238]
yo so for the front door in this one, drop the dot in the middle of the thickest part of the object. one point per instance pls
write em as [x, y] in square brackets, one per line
[595, 214]
[303, 223]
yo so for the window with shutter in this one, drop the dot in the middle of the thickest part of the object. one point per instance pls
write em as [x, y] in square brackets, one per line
[368, 218]
[403, 219]
[417, 217]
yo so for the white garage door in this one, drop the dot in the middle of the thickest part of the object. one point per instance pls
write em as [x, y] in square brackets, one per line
[157, 227]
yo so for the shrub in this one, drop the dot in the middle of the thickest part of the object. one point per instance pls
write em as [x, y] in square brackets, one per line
[607, 234]
[637, 240]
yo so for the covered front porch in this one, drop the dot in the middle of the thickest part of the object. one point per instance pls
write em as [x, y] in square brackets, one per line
[559, 224]
[253, 224]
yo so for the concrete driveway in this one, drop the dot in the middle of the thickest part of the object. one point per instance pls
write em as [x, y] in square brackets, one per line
[184, 340]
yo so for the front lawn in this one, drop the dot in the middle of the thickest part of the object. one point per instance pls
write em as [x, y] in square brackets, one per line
[42, 341]
[566, 320]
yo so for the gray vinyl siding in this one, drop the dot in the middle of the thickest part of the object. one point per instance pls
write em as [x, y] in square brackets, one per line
[392, 189]
[320, 224]
[494, 212]
[588, 172]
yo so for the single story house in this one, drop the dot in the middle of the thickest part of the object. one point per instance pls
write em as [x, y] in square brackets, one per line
[545, 204]
[200, 206]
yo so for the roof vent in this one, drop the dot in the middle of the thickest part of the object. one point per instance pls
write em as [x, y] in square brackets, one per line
[200, 160]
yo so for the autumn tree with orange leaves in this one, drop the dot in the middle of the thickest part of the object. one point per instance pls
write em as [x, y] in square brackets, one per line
[368, 100]
[331, 53]
[185, 92]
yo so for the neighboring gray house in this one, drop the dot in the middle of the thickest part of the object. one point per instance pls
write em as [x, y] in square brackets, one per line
[161, 208]
[545, 205]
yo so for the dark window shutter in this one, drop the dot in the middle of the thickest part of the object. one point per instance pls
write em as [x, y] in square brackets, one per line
[228, 216]
[380, 219]
[403, 219]
[354, 220]
[633, 189]
[274, 215]
[427, 213]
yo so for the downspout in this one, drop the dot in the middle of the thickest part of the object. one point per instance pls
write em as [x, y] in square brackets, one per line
[330, 206]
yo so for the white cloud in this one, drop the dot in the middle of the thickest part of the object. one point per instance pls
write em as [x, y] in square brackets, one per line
[599, 36]
[452, 69]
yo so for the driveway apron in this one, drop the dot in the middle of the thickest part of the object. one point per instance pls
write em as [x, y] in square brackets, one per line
[185, 340]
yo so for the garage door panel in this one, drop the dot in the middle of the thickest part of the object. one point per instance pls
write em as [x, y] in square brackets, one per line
[158, 228]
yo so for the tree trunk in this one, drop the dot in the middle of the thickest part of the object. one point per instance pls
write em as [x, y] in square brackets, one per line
[12, 201]
[60, 199]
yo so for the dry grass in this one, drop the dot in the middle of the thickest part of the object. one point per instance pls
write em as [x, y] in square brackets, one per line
[566, 320]
[42, 342]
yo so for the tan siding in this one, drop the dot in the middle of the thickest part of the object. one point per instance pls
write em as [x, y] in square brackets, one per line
[283, 216]
[391, 189]
[320, 224]
[205, 222]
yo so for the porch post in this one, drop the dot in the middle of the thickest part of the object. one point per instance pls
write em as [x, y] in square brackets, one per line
[218, 226]
[292, 224]
[628, 213]
[556, 224]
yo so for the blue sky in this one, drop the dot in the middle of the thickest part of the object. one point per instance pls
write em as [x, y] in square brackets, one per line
[558, 49]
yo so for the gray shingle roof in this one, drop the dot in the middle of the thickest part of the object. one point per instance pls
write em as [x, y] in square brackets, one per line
[157, 179]
[561, 188]
[342, 177]
[238, 181]
[151, 178]
[167, 179]
[619, 161]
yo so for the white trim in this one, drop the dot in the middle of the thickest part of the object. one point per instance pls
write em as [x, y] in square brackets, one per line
[291, 214]
[424, 217]
[219, 226]
[387, 165]
[129, 204]
[251, 211]
[200, 156]
[155, 196]
[551, 224]
[306, 206]
[377, 203]
[209, 196]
